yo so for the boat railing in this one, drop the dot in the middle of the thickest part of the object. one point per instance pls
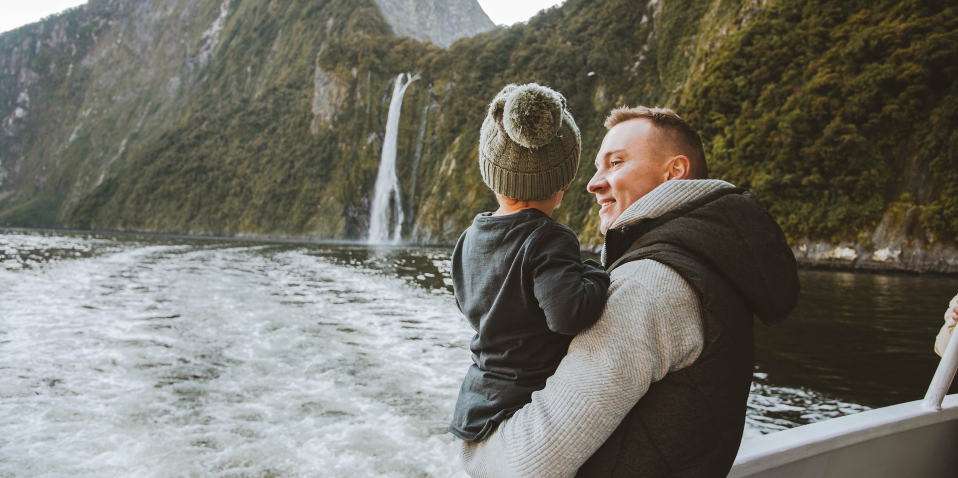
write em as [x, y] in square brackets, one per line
[943, 376]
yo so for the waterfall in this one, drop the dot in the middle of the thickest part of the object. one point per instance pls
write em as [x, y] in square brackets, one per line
[387, 208]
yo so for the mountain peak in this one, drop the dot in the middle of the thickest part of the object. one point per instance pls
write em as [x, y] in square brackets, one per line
[439, 21]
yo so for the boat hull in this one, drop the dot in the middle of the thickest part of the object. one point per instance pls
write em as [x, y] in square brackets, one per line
[906, 440]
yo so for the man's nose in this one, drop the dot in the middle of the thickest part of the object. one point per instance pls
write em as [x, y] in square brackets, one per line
[596, 183]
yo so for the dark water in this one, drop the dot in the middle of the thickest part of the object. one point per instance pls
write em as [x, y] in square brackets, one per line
[863, 338]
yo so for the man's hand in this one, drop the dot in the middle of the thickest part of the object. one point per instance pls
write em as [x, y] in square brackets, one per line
[951, 315]
[951, 318]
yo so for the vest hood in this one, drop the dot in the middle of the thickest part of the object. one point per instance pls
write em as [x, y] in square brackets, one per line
[729, 230]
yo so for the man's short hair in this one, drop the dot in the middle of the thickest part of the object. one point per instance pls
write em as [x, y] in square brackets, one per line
[673, 132]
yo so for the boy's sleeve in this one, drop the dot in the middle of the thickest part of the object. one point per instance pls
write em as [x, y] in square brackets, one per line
[570, 292]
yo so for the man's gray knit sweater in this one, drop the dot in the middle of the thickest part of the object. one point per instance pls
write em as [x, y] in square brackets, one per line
[652, 325]
[520, 281]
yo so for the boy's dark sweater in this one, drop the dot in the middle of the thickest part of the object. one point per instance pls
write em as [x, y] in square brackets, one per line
[521, 284]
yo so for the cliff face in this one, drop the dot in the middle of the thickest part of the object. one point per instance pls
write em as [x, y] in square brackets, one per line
[267, 117]
[83, 92]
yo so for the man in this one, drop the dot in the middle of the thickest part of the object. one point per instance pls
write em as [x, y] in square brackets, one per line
[658, 386]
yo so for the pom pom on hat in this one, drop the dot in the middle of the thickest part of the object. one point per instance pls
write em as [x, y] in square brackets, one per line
[532, 114]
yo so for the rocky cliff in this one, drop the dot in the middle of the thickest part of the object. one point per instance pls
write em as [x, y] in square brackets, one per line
[267, 117]
[94, 86]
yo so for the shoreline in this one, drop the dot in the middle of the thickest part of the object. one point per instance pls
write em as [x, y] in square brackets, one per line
[868, 268]
[940, 261]
[901, 257]
[242, 236]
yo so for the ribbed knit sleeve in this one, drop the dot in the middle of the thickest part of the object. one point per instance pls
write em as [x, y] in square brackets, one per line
[651, 326]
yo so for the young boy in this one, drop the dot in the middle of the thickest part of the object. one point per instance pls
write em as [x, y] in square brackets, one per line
[517, 273]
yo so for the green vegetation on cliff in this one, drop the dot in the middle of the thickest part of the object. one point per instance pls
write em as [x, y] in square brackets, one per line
[295, 182]
[830, 111]
[833, 112]
[242, 157]
[94, 87]
[35, 114]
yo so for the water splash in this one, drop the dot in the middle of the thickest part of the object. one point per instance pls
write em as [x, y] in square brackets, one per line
[387, 205]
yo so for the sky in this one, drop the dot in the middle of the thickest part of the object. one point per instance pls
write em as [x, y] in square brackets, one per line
[17, 13]
[507, 12]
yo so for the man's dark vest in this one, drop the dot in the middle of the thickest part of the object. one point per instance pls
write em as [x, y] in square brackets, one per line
[690, 423]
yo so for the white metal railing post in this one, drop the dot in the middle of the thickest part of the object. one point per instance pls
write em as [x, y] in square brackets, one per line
[943, 376]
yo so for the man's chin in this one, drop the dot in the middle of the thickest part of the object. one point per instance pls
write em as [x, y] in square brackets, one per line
[604, 227]
[606, 222]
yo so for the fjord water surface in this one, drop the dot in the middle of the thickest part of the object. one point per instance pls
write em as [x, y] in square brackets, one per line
[168, 356]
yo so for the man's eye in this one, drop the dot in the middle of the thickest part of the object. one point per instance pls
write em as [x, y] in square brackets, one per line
[615, 162]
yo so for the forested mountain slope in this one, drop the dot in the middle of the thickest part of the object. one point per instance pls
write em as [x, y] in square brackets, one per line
[268, 117]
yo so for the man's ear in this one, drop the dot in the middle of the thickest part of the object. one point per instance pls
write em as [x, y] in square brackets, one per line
[678, 167]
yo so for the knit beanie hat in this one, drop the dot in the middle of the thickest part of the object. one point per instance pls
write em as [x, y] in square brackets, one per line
[529, 143]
